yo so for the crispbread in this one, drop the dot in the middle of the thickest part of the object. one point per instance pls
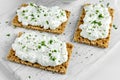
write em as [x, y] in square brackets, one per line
[58, 30]
[102, 42]
[59, 68]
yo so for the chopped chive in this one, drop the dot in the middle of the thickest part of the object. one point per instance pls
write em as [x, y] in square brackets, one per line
[54, 50]
[6, 22]
[23, 47]
[32, 15]
[99, 23]
[26, 17]
[31, 4]
[39, 46]
[57, 16]
[89, 33]
[50, 54]
[100, 16]
[97, 11]
[47, 22]
[108, 4]
[45, 15]
[29, 77]
[7, 34]
[23, 11]
[51, 41]
[43, 43]
[114, 26]
[53, 58]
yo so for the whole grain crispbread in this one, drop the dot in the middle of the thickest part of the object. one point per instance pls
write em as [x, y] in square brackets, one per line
[59, 68]
[59, 30]
[102, 42]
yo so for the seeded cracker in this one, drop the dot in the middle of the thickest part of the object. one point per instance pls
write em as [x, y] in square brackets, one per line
[58, 30]
[102, 42]
[59, 68]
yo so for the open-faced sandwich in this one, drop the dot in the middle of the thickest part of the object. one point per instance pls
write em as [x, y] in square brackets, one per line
[41, 51]
[95, 25]
[41, 18]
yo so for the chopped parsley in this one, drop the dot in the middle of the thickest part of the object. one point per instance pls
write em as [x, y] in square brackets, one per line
[7, 34]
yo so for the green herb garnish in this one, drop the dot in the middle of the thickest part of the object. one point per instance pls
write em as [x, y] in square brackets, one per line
[45, 14]
[50, 54]
[99, 23]
[39, 46]
[53, 58]
[95, 22]
[100, 16]
[97, 11]
[54, 51]
[51, 41]
[108, 4]
[26, 17]
[114, 26]
[6, 22]
[23, 47]
[43, 43]
[47, 22]
[29, 77]
[7, 34]
[31, 4]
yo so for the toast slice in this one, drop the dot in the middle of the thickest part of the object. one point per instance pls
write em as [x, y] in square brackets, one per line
[102, 42]
[59, 68]
[59, 30]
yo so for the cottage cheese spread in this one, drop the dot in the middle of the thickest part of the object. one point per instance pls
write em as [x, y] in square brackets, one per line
[41, 16]
[40, 48]
[96, 22]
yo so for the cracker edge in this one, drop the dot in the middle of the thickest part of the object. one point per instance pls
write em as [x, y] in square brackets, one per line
[62, 69]
[102, 43]
[58, 30]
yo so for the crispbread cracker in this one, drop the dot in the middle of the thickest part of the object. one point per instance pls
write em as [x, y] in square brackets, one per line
[102, 42]
[58, 30]
[59, 68]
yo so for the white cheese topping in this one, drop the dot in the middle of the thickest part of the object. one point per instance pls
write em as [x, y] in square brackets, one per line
[40, 48]
[96, 22]
[41, 16]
